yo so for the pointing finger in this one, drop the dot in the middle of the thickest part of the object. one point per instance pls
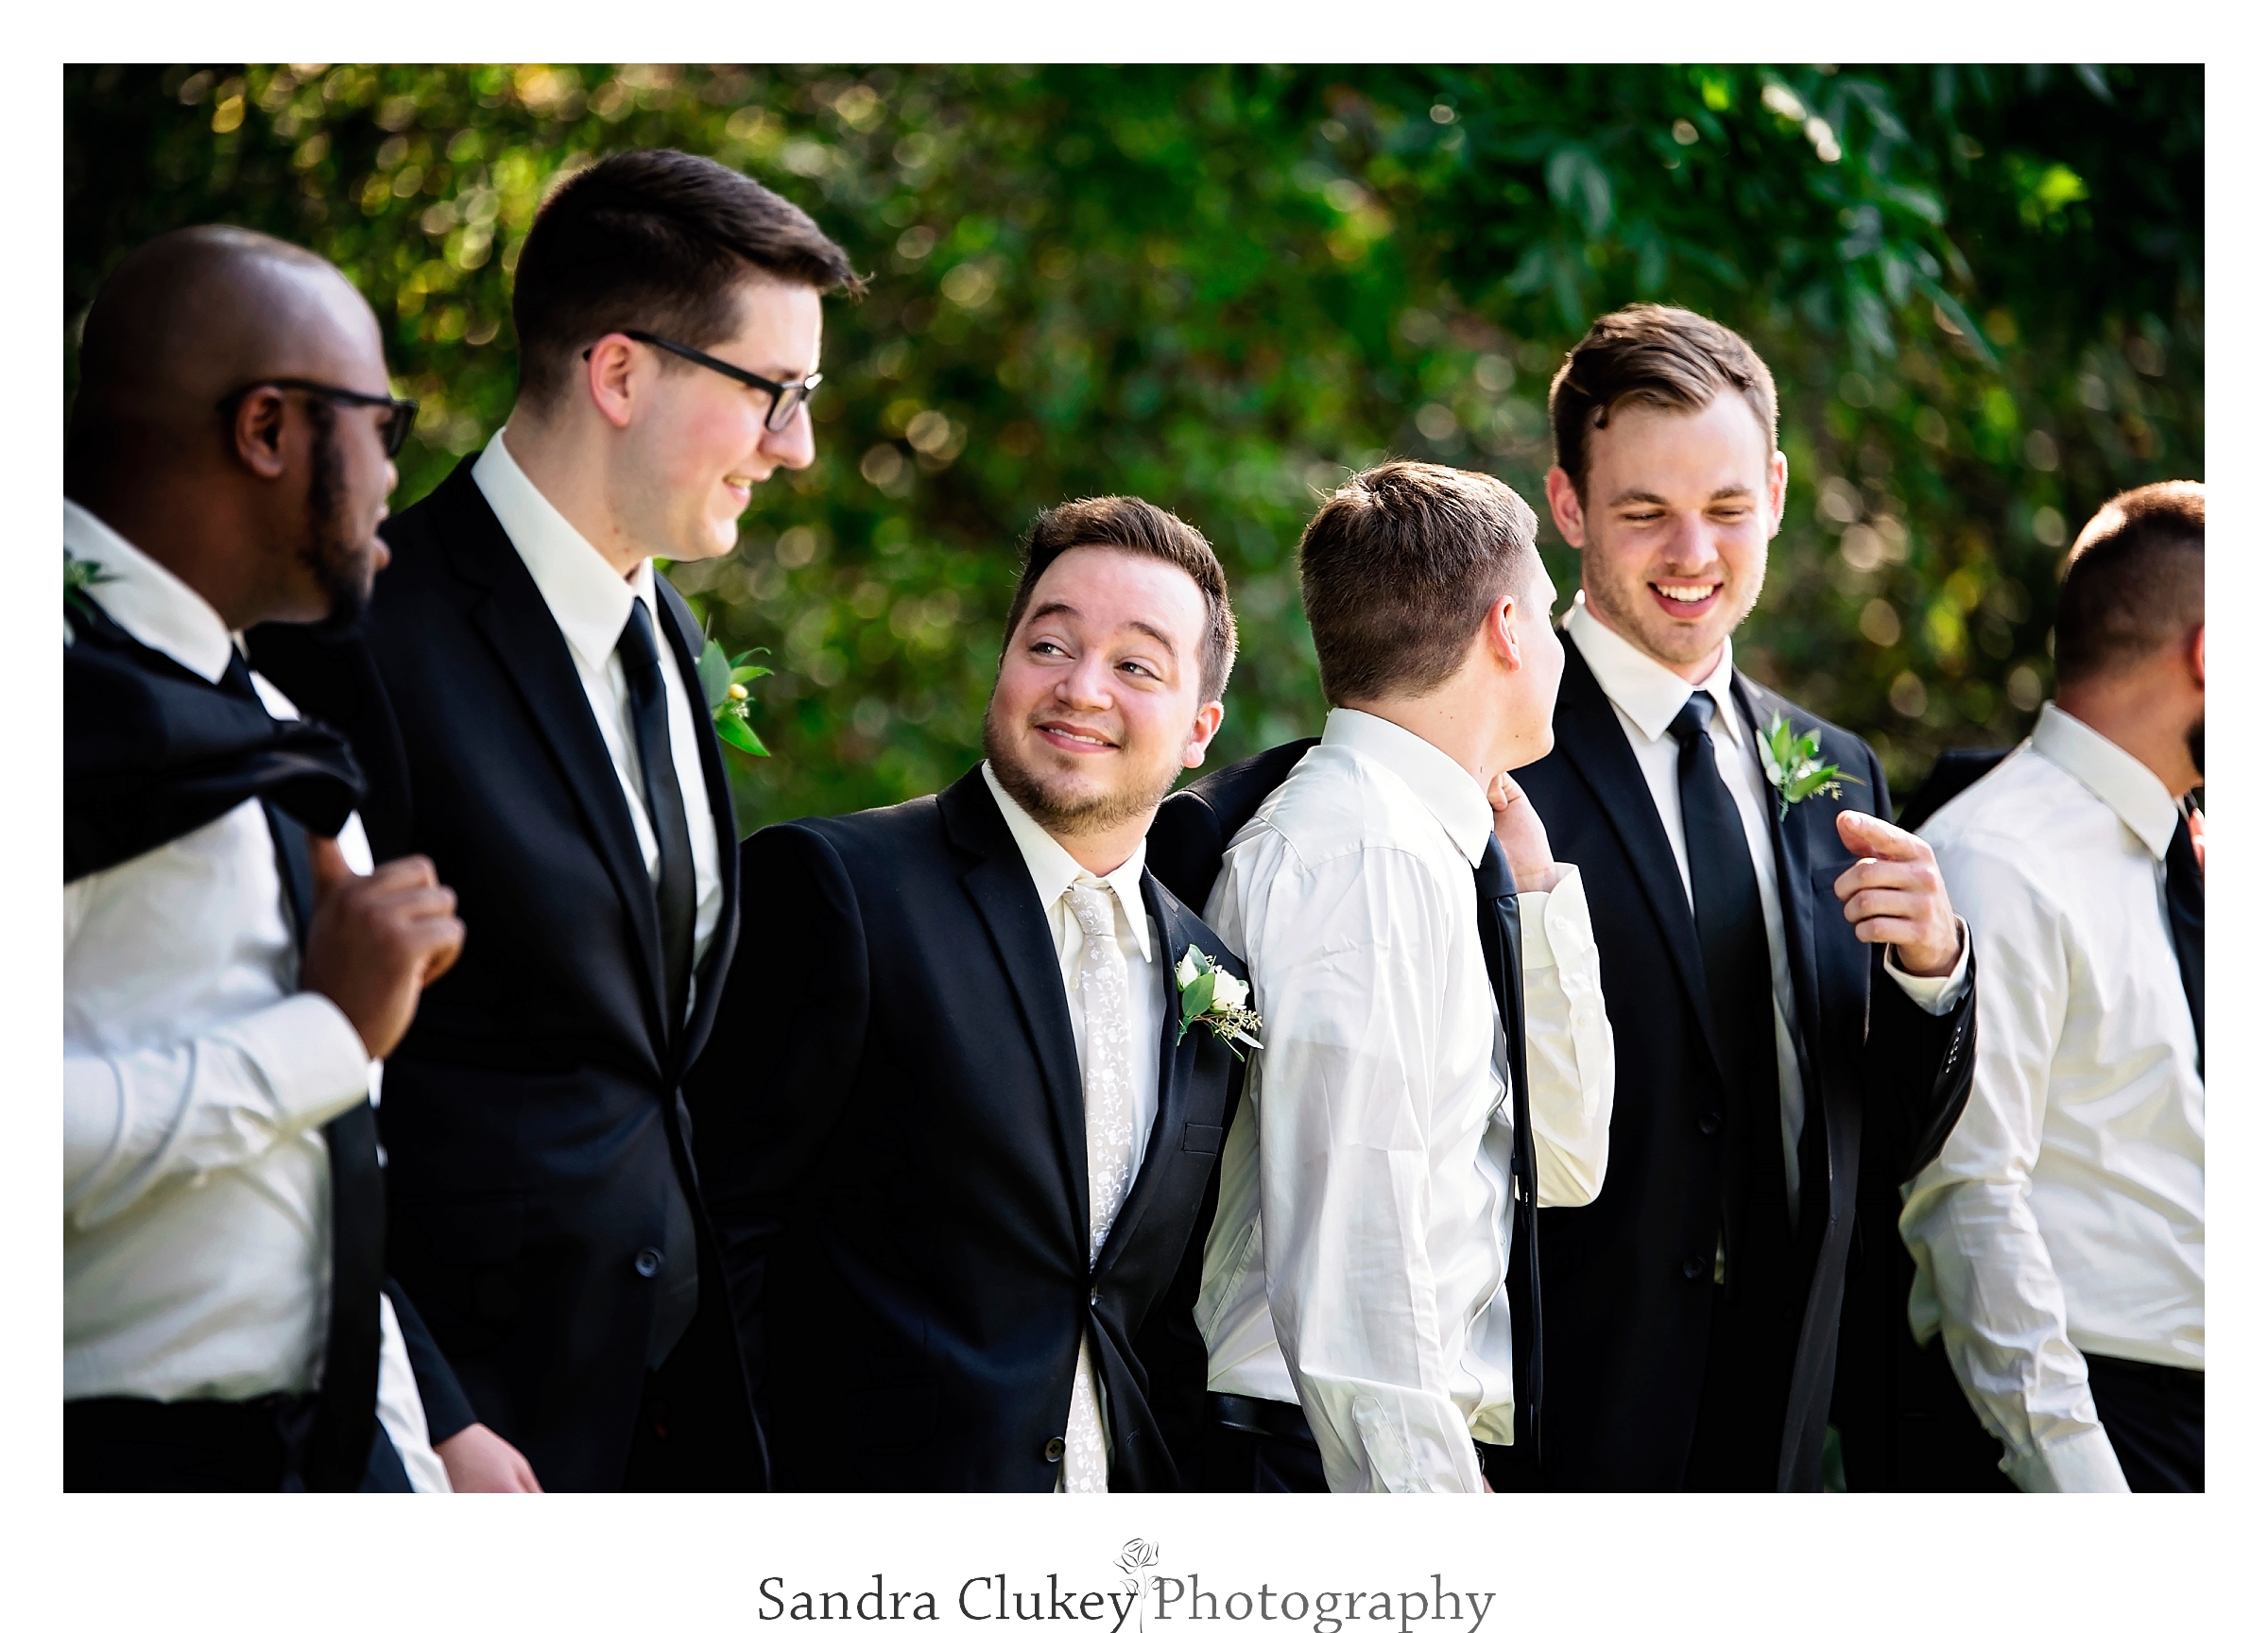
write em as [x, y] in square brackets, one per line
[1864, 835]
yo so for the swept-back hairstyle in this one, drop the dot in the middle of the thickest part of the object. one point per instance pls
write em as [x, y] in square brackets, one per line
[1662, 355]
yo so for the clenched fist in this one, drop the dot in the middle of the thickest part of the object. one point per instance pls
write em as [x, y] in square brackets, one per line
[377, 939]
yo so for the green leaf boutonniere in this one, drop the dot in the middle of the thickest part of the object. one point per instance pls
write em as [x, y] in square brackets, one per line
[79, 578]
[1213, 999]
[724, 683]
[1791, 766]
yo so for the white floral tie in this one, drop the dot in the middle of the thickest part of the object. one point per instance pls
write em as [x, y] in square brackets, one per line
[1109, 1094]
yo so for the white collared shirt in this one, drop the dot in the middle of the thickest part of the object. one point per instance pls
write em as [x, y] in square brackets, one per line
[1646, 698]
[2066, 1210]
[590, 603]
[1053, 871]
[1356, 1262]
[197, 1081]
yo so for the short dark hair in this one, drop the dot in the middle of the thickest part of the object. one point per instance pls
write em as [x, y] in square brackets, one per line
[2135, 581]
[1117, 522]
[652, 238]
[1399, 567]
[1662, 355]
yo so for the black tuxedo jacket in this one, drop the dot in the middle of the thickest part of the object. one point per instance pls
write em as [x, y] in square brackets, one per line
[1627, 1293]
[899, 1174]
[532, 1114]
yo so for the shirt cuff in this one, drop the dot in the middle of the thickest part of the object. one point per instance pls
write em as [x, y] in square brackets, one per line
[310, 1054]
[1551, 915]
[1935, 994]
[2076, 1462]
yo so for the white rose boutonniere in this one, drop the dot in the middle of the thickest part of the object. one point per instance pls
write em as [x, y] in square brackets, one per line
[1791, 766]
[1213, 999]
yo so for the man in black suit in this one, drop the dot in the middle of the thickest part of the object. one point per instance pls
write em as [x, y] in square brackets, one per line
[1693, 1308]
[525, 698]
[959, 1173]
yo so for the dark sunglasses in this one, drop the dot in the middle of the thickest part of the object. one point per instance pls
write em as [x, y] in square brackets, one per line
[393, 425]
[786, 397]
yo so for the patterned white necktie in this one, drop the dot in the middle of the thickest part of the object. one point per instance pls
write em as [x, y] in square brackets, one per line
[1109, 1149]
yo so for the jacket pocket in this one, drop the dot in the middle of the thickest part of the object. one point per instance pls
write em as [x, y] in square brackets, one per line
[1202, 1138]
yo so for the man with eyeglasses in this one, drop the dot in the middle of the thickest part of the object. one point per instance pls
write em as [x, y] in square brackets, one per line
[525, 696]
[233, 968]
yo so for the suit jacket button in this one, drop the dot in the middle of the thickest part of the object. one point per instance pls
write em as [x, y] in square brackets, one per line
[648, 1262]
[1053, 1450]
[1096, 1296]
[1711, 1122]
[1692, 1268]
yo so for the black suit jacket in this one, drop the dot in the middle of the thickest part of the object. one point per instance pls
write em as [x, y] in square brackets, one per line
[1627, 1293]
[898, 1175]
[531, 1115]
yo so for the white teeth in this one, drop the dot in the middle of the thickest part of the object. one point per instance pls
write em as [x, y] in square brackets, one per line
[1687, 593]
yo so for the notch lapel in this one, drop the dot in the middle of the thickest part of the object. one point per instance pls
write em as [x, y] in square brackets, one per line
[685, 639]
[1791, 855]
[513, 619]
[1177, 928]
[1590, 734]
[1000, 887]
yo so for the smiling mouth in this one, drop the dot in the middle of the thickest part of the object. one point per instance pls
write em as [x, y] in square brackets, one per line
[1686, 600]
[1075, 739]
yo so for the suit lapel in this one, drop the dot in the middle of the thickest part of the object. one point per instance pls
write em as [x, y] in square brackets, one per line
[1000, 887]
[1792, 856]
[1177, 927]
[512, 618]
[686, 640]
[1590, 735]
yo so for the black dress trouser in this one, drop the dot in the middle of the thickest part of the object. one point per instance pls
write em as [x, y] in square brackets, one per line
[116, 1443]
[2156, 1419]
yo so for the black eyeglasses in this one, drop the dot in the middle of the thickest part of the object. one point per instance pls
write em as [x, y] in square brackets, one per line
[786, 397]
[393, 425]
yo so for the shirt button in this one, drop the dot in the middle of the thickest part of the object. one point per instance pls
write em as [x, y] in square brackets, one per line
[1053, 1450]
[1096, 1296]
[1710, 1122]
[648, 1262]
[1692, 1268]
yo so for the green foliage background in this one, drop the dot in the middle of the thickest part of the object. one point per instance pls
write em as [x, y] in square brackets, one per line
[1981, 290]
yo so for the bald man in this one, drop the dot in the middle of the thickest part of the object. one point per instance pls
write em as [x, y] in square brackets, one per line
[233, 968]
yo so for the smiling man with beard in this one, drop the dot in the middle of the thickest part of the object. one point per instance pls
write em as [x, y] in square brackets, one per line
[959, 1160]
[1695, 1307]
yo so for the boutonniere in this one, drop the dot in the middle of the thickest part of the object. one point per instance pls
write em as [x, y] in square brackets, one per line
[1791, 766]
[724, 683]
[79, 578]
[1213, 999]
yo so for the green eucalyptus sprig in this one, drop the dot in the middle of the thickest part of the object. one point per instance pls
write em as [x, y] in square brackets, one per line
[724, 683]
[78, 577]
[1791, 766]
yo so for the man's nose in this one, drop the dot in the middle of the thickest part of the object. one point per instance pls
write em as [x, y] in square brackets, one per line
[1691, 547]
[1086, 685]
[794, 447]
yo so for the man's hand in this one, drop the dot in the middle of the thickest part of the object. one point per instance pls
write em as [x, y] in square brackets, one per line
[1894, 894]
[1520, 830]
[2197, 839]
[479, 1459]
[376, 941]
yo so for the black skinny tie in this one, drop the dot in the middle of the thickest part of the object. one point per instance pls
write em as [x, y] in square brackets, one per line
[665, 805]
[1498, 898]
[2185, 909]
[346, 1414]
[1736, 963]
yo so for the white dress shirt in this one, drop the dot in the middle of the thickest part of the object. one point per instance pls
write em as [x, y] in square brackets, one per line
[590, 603]
[2066, 1210]
[1053, 871]
[1356, 1262]
[196, 1080]
[1646, 698]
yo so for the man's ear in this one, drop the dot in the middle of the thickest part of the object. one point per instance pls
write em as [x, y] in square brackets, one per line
[608, 379]
[2196, 656]
[259, 432]
[1201, 733]
[1775, 489]
[1565, 505]
[1501, 632]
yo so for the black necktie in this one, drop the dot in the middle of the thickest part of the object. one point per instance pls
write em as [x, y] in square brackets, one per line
[2185, 910]
[1499, 907]
[1736, 965]
[665, 805]
[339, 1446]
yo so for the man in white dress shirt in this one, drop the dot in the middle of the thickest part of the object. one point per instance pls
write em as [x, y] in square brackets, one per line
[2060, 1235]
[524, 694]
[1355, 1275]
[214, 1026]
